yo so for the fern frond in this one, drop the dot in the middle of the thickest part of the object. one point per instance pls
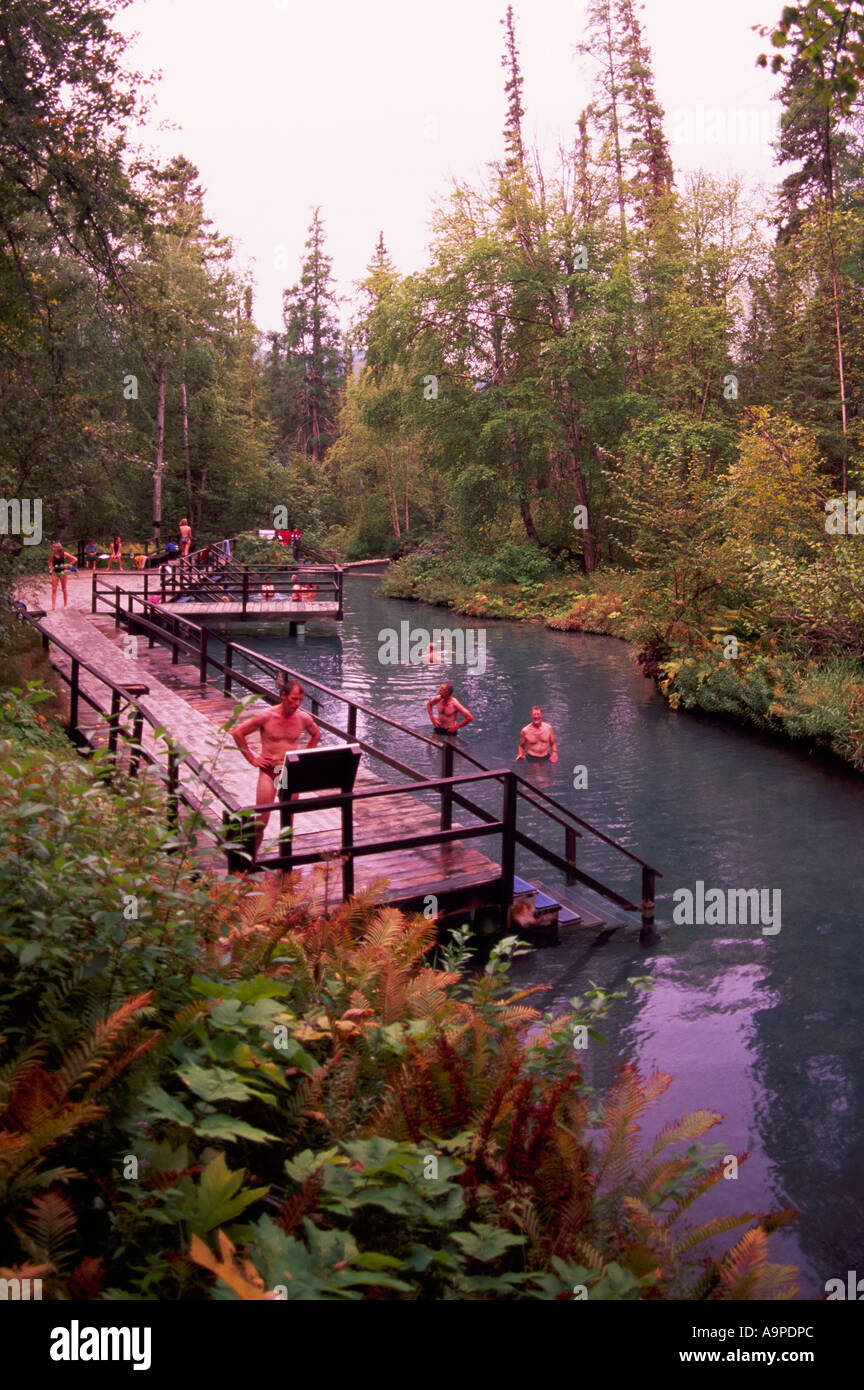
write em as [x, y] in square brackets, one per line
[87, 1059]
[691, 1126]
[48, 1230]
[741, 1268]
[716, 1227]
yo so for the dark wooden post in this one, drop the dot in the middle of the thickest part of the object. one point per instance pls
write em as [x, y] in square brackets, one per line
[229, 663]
[315, 708]
[446, 792]
[175, 650]
[348, 849]
[162, 581]
[239, 841]
[173, 779]
[286, 830]
[117, 608]
[245, 588]
[137, 736]
[93, 594]
[114, 726]
[508, 845]
[202, 672]
[73, 698]
[570, 852]
[352, 721]
[648, 877]
[146, 587]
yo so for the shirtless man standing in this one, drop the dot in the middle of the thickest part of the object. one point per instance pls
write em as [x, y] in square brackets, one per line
[537, 740]
[280, 731]
[449, 709]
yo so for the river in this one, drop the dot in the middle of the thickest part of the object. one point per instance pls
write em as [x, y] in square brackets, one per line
[765, 1028]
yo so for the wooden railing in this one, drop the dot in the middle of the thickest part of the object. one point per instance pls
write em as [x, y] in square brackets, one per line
[201, 644]
[211, 576]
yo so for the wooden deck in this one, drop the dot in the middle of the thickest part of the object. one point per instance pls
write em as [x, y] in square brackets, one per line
[195, 714]
[458, 871]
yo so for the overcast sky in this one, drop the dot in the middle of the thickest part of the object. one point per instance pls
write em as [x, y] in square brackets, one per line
[369, 108]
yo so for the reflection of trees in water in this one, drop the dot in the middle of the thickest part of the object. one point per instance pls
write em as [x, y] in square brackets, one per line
[809, 1114]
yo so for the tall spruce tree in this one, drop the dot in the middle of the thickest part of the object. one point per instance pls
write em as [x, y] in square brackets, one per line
[314, 358]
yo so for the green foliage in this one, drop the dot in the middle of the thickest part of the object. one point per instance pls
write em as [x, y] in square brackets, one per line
[312, 1109]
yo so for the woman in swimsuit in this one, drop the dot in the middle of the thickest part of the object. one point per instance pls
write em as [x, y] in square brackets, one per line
[185, 537]
[57, 564]
[449, 709]
[116, 553]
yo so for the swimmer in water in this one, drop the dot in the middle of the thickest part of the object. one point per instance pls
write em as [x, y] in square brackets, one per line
[449, 709]
[537, 740]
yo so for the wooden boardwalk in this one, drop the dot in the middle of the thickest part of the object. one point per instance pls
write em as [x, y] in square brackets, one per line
[216, 780]
[195, 714]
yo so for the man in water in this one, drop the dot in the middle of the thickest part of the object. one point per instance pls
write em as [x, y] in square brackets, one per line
[446, 721]
[280, 729]
[537, 740]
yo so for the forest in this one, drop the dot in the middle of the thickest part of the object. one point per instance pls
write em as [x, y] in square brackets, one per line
[615, 399]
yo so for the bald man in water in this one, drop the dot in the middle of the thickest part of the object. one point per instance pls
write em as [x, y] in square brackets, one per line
[537, 740]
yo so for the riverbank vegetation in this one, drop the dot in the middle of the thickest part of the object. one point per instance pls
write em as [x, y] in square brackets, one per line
[207, 1090]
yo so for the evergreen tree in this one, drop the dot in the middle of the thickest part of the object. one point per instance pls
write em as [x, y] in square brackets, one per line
[314, 362]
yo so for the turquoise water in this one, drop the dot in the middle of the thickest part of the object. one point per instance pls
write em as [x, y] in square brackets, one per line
[763, 1028]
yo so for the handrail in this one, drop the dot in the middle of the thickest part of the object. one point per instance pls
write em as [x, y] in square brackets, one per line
[132, 695]
[238, 816]
[276, 671]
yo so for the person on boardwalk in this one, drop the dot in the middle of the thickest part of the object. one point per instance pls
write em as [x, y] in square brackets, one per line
[296, 542]
[185, 537]
[58, 562]
[115, 552]
[446, 721]
[91, 552]
[280, 730]
[267, 590]
[537, 740]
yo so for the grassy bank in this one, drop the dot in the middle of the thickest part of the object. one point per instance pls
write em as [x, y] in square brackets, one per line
[724, 659]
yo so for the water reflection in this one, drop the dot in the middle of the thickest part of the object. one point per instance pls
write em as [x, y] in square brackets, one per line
[765, 1030]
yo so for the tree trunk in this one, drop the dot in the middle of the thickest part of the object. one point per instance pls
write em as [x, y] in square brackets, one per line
[186, 443]
[391, 492]
[159, 463]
